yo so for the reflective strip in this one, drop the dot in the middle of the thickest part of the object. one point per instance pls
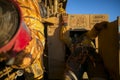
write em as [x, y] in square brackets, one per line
[70, 76]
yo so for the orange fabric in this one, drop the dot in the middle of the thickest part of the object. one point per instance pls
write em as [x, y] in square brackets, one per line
[31, 16]
[32, 55]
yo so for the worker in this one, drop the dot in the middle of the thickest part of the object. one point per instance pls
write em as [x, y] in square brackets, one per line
[83, 57]
[21, 40]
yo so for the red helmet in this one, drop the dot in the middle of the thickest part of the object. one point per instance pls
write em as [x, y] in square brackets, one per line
[14, 35]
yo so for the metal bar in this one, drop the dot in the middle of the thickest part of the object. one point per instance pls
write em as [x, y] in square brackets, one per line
[55, 6]
[119, 41]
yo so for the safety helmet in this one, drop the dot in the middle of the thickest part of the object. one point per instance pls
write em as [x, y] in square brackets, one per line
[14, 35]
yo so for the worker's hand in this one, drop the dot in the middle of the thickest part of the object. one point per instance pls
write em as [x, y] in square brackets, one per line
[101, 26]
[52, 20]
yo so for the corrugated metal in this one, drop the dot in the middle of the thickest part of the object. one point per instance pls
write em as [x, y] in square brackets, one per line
[56, 54]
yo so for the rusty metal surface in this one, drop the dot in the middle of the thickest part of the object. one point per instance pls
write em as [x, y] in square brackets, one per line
[87, 21]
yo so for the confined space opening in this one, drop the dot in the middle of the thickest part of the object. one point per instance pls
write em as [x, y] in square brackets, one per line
[72, 35]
